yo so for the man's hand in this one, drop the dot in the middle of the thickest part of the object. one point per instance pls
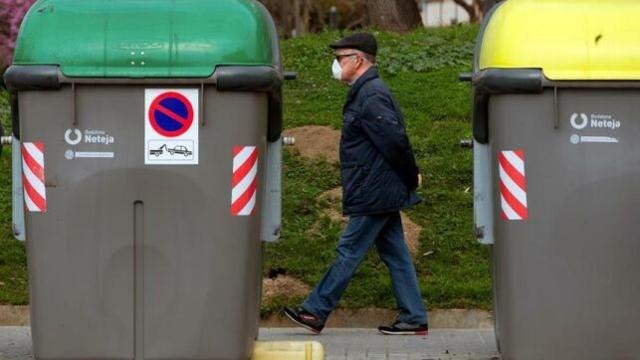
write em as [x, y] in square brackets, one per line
[419, 180]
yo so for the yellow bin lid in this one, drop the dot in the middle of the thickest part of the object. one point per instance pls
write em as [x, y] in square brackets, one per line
[567, 39]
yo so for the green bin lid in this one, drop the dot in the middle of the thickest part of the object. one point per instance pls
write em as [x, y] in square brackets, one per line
[146, 38]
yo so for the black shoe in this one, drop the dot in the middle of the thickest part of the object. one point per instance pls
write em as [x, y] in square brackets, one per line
[304, 318]
[401, 328]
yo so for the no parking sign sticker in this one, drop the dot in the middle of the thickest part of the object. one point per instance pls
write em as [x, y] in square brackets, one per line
[171, 127]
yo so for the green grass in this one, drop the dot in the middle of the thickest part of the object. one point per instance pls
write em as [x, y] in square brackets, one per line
[13, 260]
[421, 68]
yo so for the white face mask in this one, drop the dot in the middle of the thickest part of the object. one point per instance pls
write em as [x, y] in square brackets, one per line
[336, 69]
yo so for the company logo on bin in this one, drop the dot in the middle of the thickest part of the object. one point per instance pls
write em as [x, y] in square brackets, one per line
[35, 197]
[244, 181]
[171, 114]
[513, 185]
[579, 121]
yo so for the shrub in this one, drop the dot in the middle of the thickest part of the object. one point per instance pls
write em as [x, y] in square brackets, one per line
[11, 14]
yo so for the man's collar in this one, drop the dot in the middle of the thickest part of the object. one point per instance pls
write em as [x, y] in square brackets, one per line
[370, 74]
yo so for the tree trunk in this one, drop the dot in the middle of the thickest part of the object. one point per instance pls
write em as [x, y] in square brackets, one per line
[284, 20]
[297, 16]
[394, 15]
[469, 8]
[306, 15]
[476, 9]
[486, 6]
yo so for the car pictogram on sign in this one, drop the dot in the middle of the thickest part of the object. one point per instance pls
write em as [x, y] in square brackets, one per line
[177, 150]
[180, 150]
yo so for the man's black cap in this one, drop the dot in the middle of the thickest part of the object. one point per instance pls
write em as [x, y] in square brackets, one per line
[364, 42]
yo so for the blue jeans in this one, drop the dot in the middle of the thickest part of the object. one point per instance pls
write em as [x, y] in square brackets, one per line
[362, 232]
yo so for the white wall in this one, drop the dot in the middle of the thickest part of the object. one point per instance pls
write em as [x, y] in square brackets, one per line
[442, 12]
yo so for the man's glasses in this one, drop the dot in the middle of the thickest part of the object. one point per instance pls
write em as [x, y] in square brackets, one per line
[340, 57]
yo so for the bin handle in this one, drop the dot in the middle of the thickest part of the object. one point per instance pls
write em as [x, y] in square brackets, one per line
[74, 120]
[556, 110]
[465, 77]
[466, 143]
[4, 140]
[290, 75]
[201, 110]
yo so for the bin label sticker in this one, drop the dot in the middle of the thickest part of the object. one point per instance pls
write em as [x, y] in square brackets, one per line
[88, 138]
[513, 185]
[244, 182]
[74, 137]
[594, 122]
[171, 127]
[35, 194]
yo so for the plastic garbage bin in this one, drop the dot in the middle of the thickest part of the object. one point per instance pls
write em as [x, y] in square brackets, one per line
[150, 137]
[556, 130]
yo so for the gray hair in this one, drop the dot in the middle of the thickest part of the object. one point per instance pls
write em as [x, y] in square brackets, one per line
[368, 57]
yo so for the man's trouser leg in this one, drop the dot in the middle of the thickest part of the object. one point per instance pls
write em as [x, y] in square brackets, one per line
[356, 240]
[395, 254]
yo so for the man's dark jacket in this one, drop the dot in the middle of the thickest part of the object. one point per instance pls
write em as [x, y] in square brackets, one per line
[378, 167]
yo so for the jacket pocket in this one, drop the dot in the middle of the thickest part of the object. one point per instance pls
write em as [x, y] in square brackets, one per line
[353, 177]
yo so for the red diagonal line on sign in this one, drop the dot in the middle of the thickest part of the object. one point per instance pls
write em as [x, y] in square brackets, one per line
[171, 114]
[39, 145]
[513, 202]
[35, 168]
[243, 170]
[237, 149]
[34, 195]
[519, 153]
[512, 172]
[244, 198]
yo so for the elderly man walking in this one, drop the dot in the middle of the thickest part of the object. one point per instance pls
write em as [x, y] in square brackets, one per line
[379, 178]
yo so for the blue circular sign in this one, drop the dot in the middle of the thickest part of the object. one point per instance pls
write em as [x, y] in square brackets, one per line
[171, 114]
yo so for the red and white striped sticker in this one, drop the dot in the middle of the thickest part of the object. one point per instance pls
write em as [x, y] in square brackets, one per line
[35, 195]
[244, 181]
[513, 185]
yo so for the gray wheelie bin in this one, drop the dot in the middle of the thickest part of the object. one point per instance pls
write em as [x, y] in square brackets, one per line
[557, 174]
[150, 151]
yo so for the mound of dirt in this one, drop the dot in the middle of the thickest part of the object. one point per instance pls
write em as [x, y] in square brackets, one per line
[411, 235]
[283, 287]
[334, 199]
[316, 142]
[332, 196]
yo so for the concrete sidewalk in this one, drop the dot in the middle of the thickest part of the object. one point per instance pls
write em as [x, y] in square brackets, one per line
[365, 344]
[340, 344]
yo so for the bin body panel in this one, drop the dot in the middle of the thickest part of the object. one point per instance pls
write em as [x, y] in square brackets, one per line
[566, 278]
[142, 261]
